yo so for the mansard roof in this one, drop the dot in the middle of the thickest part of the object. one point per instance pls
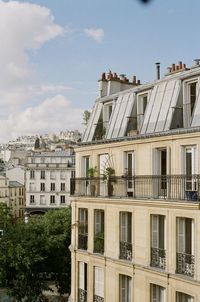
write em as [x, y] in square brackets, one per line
[172, 102]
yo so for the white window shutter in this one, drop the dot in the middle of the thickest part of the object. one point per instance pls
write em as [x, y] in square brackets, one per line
[181, 235]
[155, 231]
[81, 275]
[123, 224]
[99, 281]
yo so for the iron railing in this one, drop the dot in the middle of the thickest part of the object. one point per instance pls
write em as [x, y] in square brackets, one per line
[83, 241]
[82, 295]
[98, 299]
[170, 187]
[125, 250]
[185, 264]
[158, 258]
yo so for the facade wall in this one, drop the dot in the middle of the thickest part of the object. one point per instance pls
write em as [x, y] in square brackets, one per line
[139, 268]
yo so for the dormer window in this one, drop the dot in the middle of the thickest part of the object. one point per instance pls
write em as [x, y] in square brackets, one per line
[189, 100]
[107, 111]
[142, 100]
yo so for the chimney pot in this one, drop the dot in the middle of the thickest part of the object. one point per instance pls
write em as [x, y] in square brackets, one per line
[173, 67]
[157, 71]
[134, 79]
[138, 82]
[180, 65]
[169, 69]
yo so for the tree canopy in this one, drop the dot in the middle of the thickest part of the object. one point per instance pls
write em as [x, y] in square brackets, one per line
[33, 252]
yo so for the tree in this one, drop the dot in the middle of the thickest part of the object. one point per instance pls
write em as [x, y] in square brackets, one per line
[86, 116]
[32, 253]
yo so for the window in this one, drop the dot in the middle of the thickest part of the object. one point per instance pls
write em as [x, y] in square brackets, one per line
[42, 174]
[185, 249]
[32, 186]
[32, 174]
[99, 231]
[157, 293]
[107, 111]
[158, 252]
[189, 164]
[62, 199]
[160, 172]
[124, 288]
[53, 186]
[85, 165]
[141, 108]
[181, 297]
[125, 235]
[32, 199]
[190, 97]
[52, 175]
[83, 229]
[42, 187]
[62, 186]
[82, 282]
[129, 171]
[98, 284]
[42, 200]
[52, 199]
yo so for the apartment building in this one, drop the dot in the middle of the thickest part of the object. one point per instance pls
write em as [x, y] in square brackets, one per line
[135, 198]
[13, 195]
[48, 180]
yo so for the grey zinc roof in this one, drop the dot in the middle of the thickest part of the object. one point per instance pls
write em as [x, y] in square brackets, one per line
[15, 184]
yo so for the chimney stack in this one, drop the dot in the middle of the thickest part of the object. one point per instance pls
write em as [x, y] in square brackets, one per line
[197, 61]
[157, 71]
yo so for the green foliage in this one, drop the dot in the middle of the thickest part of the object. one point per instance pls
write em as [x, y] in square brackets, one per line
[31, 251]
[5, 216]
[108, 172]
[99, 242]
[86, 116]
[92, 172]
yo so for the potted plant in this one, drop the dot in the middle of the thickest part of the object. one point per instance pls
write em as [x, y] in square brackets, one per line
[91, 173]
[108, 175]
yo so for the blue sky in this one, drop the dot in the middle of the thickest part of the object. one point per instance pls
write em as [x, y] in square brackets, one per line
[54, 51]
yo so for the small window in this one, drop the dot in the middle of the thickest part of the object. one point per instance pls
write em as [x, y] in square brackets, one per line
[32, 174]
[53, 186]
[32, 199]
[42, 186]
[157, 293]
[42, 174]
[181, 297]
[124, 288]
[62, 199]
[52, 199]
[42, 200]
[62, 186]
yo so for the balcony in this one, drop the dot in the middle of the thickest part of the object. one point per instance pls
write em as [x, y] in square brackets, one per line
[185, 264]
[98, 299]
[83, 241]
[158, 258]
[170, 187]
[125, 250]
[82, 295]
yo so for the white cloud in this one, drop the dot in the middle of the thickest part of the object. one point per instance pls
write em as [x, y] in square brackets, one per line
[96, 34]
[24, 27]
[53, 114]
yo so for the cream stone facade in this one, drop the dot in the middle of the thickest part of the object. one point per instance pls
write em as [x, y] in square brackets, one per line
[135, 231]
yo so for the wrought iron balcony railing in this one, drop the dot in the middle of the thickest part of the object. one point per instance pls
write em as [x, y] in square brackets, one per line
[82, 295]
[83, 241]
[98, 299]
[185, 264]
[170, 187]
[125, 250]
[158, 258]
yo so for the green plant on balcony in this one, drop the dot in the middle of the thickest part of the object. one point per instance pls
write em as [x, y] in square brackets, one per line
[99, 242]
[108, 175]
[91, 173]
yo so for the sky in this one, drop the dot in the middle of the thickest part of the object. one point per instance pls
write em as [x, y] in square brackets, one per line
[54, 51]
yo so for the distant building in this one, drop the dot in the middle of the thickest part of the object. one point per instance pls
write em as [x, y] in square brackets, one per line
[13, 195]
[48, 180]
